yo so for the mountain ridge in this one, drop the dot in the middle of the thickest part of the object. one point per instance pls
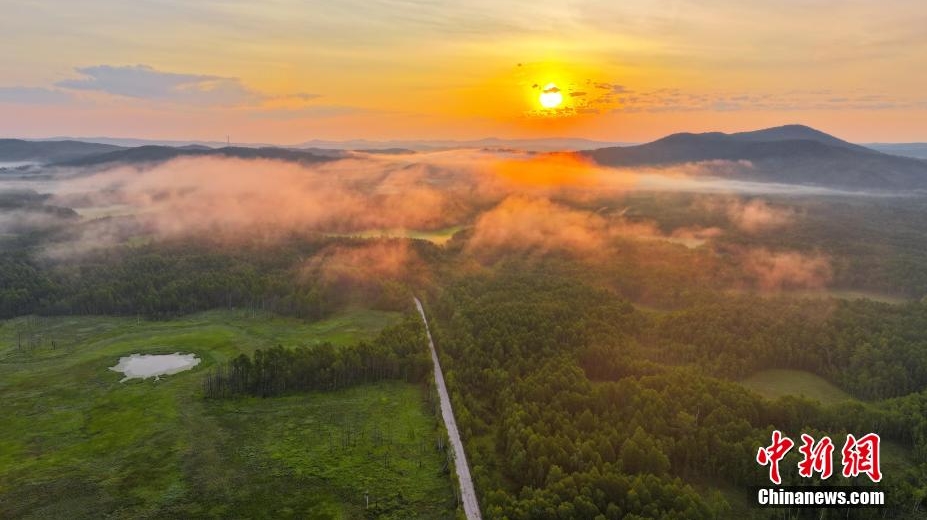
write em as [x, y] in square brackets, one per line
[21, 150]
[155, 154]
[791, 154]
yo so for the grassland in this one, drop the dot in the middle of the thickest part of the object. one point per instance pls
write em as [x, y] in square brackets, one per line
[438, 236]
[76, 443]
[776, 383]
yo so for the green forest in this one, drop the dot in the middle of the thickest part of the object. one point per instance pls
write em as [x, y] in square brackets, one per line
[583, 389]
[577, 405]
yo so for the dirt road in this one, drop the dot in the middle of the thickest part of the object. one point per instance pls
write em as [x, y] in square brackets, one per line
[467, 493]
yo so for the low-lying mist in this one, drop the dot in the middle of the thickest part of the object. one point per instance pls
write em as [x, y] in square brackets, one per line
[509, 201]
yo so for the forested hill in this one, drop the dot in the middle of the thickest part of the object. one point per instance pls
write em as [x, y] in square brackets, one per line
[792, 155]
[19, 150]
[153, 154]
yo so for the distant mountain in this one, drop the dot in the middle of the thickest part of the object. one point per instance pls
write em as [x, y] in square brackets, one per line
[154, 154]
[128, 142]
[419, 145]
[916, 150]
[388, 151]
[79, 154]
[19, 150]
[791, 154]
[532, 145]
[793, 133]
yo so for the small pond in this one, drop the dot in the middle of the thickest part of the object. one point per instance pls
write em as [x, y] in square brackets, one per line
[144, 366]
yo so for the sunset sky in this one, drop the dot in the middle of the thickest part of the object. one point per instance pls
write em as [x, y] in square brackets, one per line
[286, 71]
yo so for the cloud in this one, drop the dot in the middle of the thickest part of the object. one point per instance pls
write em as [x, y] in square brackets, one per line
[303, 96]
[757, 216]
[93, 236]
[677, 100]
[234, 198]
[29, 220]
[613, 88]
[366, 192]
[560, 173]
[537, 225]
[509, 202]
[777, 270]
[33, 95]
[372, 260]
[694, 236]
[145, 82]
[600, 97]
[229, 198]
[606, 97]
[751, 216]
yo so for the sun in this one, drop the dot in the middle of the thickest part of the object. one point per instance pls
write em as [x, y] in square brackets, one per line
[550, 96]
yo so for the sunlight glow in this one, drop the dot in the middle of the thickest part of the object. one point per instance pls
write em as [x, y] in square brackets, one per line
[551, 96]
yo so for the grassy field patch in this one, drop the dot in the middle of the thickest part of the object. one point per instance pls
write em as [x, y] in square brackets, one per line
[776, 383]
[438, 236]
[77, 443]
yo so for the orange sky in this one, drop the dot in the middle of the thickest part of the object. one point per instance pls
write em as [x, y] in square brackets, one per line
[286, 71]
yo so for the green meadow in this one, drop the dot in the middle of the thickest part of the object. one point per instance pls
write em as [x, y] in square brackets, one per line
[77, 443]
[438, 236]
[775, 383]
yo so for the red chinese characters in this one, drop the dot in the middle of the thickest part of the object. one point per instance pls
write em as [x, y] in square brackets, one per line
[772, 454]
[862, 456]
[816, 457]
[859, 456]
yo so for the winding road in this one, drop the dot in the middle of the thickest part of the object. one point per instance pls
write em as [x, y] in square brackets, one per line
[467, 493]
